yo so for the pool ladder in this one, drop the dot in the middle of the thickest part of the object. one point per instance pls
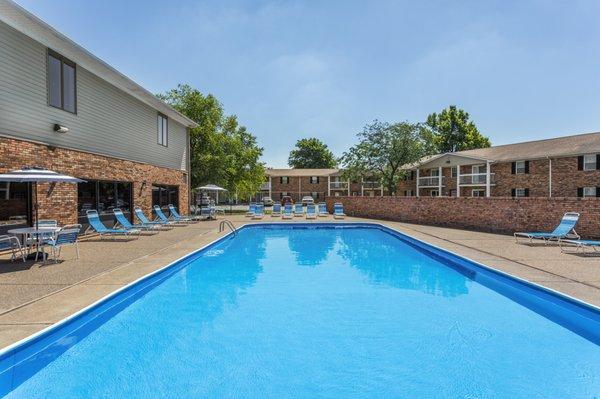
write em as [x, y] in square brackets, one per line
[227, 223]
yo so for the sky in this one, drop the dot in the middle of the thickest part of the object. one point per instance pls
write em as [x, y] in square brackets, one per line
[524, 70]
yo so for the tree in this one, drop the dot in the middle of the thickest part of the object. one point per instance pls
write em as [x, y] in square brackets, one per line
[383, 149]
[222, 152]
[453, 131]
[311, 153]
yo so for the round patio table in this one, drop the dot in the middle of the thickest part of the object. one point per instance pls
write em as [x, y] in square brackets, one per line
[32, 231]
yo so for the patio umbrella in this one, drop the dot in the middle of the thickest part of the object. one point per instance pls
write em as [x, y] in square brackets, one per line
[212, 187]
[37, 175]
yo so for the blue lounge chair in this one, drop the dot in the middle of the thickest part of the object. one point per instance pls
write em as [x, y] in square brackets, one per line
[323, 209]
[161, 217]
[580, 244]
[298, 210]
[177, 217]
[310, 211]
[338, 211]
[97, 226]
[287, 211]
[66, 236]
[259, 211]
[145, 221]
[563, 230]
[276, 210]
[12, 243]
[122, 221]
[207, 212]
[251, 209]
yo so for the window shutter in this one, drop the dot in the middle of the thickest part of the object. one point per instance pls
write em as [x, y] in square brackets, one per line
[526, 166]
[580, 192]
[597, 191]
[317, 179]
[597, 161]
[513, 192]
[280, 180]
[527, 192]
[513, 170]
[580, 162]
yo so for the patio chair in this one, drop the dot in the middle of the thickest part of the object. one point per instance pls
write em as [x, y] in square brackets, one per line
[287, 212]
[581, 244]
[259, 211]
[276, 210]
[207, 213]
[251, 209]
[565, 229]
[338, 211]
[310, 211]
[160, 216]
[12, 243]
[322, 208]
[177, 217]
[66, 236]
[298, 210]
[123, 222]
[139, 213]
[97, 226]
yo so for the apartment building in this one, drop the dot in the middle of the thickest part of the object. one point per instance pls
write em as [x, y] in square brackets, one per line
[559, 167]
[62, 108]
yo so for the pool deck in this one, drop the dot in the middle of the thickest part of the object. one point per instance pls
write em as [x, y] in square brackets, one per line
[35, 296]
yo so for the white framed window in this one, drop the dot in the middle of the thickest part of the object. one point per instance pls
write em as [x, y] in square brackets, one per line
[314, 180]
[478, 193]
[476, 169]
[521, 192]
[336, 194]
[520, 168]
[408, 193]
[4, 190]
[284, 180]
[589, 162]
[315, 195]
[434, 172]
[162, 126]
[434, 193]
[589, 191]
[454, 171]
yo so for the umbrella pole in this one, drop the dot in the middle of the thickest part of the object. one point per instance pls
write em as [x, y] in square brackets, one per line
[37, 225]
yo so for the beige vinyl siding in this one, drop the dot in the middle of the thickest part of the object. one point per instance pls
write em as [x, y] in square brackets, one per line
[108, 121]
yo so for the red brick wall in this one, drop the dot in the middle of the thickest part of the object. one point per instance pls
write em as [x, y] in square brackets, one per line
[494, 214]
[298, 187]
[59, 201]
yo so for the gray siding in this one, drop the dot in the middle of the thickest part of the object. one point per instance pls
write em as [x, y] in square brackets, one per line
[108, 121]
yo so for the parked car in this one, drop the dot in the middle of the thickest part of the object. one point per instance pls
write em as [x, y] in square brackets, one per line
[267, 201]
[287, 200]
[307, 200]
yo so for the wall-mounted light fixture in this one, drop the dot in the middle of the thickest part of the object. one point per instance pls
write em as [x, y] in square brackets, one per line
[60, 128]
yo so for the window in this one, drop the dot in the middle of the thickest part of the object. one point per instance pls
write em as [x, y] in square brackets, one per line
[520, 168]
[454, 171]
[284, 180]
[4, 190]
[336, 194]
[104, 196]
[408, 193]
[478, 193]
[589, 162]
[588, 192]
[15, 205]
[163, 195]
[314, 180]
[315, 195]
[162, 127]
[520, 192]
[434, 172]
[283, 194]
[434, 193]
[61, 77]
[410, 175]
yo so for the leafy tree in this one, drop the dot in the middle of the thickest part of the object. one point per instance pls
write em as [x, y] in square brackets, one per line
[383, 149]
[452, 130]
[222, 152]
[311, 153]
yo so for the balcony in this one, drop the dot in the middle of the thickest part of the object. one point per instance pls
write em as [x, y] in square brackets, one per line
[338, 185]
[430, 181]
[265, 186]
[476, 179]
[371, 185]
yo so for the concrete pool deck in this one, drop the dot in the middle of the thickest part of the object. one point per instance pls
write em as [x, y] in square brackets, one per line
[34, 296]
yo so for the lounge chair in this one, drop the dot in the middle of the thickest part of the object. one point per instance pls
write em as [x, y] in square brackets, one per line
[161, 217]
[66, 236]
[287, 212]
[251, 209]
[310, 211]
[338, 211]
[580, 244]
[298, 210]
[123, 222]
[177, 217]
[145, 221]
[259, 212]
[97, 226]
[562, 231]
[322, 209]
[276, 210]
[12, 243]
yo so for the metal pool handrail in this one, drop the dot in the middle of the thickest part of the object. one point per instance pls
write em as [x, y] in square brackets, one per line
[227, 223]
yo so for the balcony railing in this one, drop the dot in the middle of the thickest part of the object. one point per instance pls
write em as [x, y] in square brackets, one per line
[265, 186]
[430, 181]
[476, 179]
[338, 185]
[373, 185]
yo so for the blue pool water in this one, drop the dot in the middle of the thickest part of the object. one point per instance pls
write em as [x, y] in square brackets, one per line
[321, 312]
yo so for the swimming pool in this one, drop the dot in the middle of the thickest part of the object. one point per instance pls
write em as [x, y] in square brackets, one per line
[316, 311]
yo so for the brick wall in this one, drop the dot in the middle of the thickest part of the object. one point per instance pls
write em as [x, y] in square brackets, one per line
[494, 214]
[59, 201]
[298, 187]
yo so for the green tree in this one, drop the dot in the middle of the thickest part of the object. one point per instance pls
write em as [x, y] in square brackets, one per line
[383, 149]
[222, 152]
[311, 153]
[452, 130]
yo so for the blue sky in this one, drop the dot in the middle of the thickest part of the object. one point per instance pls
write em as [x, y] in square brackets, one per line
[524, 70]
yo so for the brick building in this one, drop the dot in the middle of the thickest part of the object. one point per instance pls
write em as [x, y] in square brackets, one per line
[63, 109]
[559, 167]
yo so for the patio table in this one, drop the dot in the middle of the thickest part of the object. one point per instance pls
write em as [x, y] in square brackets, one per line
[32, 231]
